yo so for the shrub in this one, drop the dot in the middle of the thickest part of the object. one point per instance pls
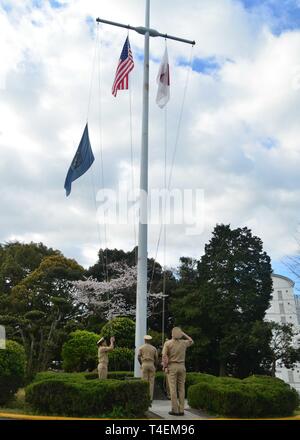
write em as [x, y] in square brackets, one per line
[73, 395]
[79, 353]
[123, 329]
[252, 397]
[12, 370]
[156, 338]
[121, 359]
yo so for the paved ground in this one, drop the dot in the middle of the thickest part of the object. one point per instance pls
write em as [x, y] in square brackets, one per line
[161, 408]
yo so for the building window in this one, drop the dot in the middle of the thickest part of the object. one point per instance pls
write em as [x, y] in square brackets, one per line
[283, 319]
[281, 308]
[279, 295]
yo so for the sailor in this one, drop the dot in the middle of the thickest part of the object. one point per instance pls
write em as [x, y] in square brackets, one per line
[103, 351]
[148, 359]
[174, 365]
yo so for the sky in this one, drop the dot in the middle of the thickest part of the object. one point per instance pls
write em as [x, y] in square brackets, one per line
[238, 140]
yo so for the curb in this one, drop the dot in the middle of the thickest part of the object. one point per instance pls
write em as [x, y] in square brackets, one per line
[13, 416]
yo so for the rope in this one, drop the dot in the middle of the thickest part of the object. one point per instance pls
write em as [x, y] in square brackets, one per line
[174, 153]
[92, 76]
[88, 112]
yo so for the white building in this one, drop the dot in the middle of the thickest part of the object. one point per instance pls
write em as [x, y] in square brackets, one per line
[297, 299]
[283, 309]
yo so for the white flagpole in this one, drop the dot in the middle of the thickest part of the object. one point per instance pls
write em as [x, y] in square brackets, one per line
[141, 293]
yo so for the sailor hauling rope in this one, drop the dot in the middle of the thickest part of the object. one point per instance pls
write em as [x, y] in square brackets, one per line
[103, 351]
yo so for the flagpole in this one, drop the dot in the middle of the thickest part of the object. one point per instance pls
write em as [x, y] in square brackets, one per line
[141, 293]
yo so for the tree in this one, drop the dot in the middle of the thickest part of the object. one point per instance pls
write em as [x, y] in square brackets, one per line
[109, 299]
[115, 297]
[123, 329]
[40, 306]
[105, 271]
[17, 260]
[231, 298]
[283, 352]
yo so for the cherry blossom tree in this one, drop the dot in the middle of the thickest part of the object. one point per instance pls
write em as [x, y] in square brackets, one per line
[112, 298]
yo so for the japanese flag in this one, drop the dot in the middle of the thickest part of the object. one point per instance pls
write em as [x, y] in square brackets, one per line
[163, 81]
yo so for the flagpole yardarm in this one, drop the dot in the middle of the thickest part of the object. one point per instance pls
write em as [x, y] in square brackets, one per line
[143, 30]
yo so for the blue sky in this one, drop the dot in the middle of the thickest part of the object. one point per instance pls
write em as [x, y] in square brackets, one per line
[281, 14]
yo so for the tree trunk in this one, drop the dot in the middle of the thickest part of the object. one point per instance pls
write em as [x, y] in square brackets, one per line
[222, 369]
[273, 370]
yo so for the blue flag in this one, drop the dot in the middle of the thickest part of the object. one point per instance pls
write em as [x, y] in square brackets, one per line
[82, 161]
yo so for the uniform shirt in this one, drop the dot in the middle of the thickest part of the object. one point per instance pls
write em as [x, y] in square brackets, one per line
[103, 354]
[174, 351]
[148, 353]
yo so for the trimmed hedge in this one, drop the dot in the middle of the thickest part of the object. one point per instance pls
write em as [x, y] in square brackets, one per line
[74, 395]
[12, 370]
[255, 396]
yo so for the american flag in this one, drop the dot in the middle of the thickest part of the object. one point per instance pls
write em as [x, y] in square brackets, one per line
[125, 66]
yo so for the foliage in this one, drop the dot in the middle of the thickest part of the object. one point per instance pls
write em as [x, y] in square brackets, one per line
[12, 370]
[224, 306]
[121, 359]
[156, 338]
[104, 271]
[251, 397]
[123, 329]
[282, 349]
[17, 260]
[79, 352]
[41, 310]
[109, 296]
[80, 397]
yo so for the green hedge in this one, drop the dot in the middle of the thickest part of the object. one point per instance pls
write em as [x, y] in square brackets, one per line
[121, 359]
[256, 396]
[74, 395]
[123, 329]
[12, 370]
